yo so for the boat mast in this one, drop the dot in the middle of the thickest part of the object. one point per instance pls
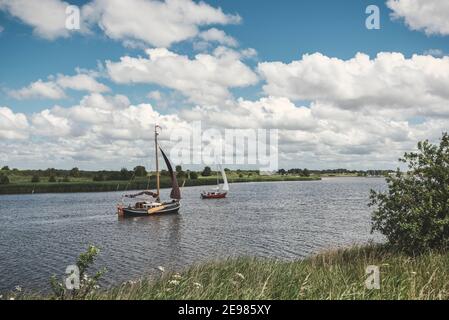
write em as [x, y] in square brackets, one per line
[157, 163]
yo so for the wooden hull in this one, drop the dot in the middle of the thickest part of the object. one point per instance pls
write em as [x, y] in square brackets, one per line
[165, 208]
[214, 196]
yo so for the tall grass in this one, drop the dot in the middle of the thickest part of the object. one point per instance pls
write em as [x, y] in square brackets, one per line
[337, 274]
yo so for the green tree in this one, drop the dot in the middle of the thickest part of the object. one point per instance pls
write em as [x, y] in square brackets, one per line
[125, 174]
[4, 179]
[306, 173]
[140, 171]
[75, 172]
[35, 179]
[5, 168]
[52, 179]
[207, 172]
[414, 212]
[193, 175]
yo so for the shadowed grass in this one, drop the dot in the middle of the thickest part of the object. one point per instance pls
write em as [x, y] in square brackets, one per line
[336, 274]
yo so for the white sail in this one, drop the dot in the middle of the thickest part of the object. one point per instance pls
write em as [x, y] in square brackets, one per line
[225, 186]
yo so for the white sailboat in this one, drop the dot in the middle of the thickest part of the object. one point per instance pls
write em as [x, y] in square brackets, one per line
[221, 190]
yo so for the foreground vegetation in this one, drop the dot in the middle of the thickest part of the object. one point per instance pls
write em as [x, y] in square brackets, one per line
[337, 274]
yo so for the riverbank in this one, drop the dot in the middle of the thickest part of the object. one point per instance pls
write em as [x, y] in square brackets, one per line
[136, 184]
[337, 274]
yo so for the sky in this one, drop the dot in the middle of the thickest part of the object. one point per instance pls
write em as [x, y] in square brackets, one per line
[340, 95]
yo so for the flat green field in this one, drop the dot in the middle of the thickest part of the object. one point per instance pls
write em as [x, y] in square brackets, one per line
[20, 184]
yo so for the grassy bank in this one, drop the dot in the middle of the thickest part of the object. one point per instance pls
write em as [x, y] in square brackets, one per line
[83, 185]
[338, 274]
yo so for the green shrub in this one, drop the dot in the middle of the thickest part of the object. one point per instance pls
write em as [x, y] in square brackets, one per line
[193, 175]
[52, 179]
[4, 179]
[87, 285]
[35, 179]
[414, 212]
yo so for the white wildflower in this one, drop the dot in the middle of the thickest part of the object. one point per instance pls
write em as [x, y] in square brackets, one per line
[18, 288]
[177, 276]
[173, 282]
[197, 285]
[161, 269]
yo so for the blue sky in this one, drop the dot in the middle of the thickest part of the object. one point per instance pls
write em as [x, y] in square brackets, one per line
[280, 32]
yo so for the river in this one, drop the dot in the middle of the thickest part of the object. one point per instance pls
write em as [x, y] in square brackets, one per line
[41, 234]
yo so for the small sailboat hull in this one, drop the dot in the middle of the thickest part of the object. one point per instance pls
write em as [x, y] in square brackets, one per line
[165, 208]
[213, 195]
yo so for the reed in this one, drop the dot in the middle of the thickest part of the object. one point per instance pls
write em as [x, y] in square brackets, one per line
[336, 274]
[138, 184]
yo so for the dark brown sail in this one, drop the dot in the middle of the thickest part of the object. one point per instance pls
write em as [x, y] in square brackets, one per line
[175, 191]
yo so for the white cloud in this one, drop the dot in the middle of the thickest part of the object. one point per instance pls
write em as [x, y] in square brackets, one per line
[430, 16]
[156, 95]
[39, 90]
[46, 17]
[219, 36]
[437, 53]
[12, 125]
[206, 79]
[158, 23]
[417, 85]
[54, 89]
[1, 29]
[81, 82]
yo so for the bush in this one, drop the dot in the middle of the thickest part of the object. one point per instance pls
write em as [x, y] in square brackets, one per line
[414, 213]
[35, 179]
[98, 177]
[52, 179]
[66, 179]
[193, 175]
[4, 179]
[87, 285]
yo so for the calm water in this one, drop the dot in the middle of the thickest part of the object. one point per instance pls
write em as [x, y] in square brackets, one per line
[43, 233]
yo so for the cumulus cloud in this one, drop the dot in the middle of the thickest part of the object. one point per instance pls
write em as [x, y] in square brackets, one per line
[153, 22]
[81, 82]
[206, 79]
[39, 90]
[416, 86]
[430, 16]
[46, 17]
[158, 23]
[54, 89]
[215, 35]
[12, 125]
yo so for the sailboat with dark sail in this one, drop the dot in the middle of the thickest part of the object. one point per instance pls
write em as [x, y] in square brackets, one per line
[154, 206]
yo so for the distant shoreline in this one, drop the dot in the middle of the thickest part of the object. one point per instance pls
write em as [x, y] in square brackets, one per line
[109, 186]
